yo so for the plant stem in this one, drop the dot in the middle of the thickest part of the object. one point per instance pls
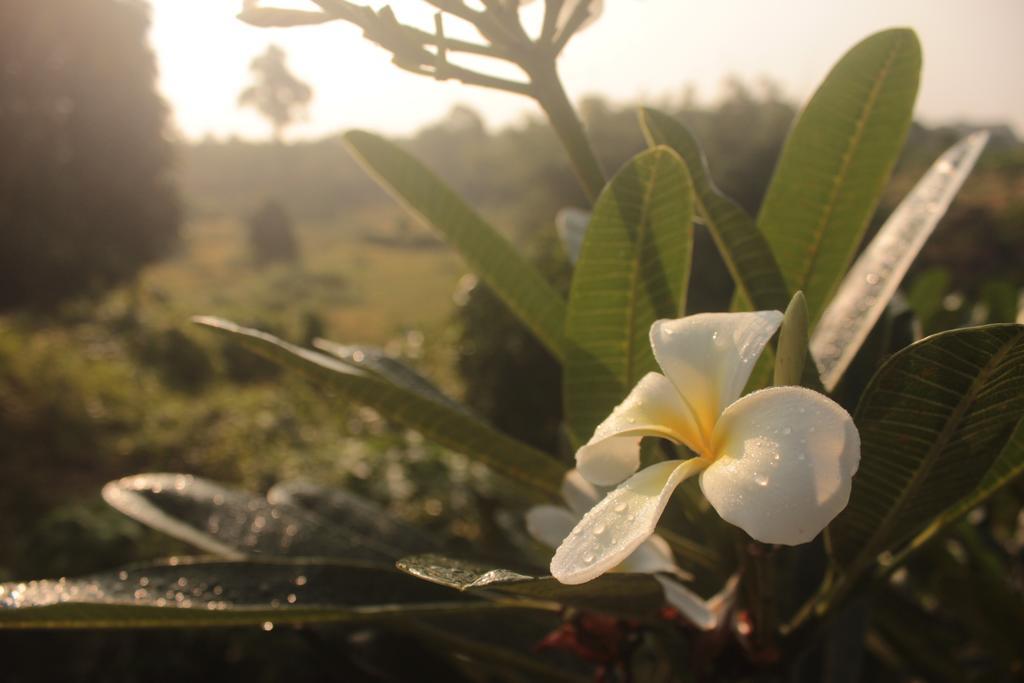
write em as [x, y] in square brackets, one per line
[550, 95]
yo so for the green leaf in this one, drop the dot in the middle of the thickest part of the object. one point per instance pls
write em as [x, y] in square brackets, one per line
[932, 422]
[873, 279]
[191, 592]
[375, 361]
[633, 270]
[633, 595]
[836, 162]
[1007, 466]
[792, 346]
[487, 253]
[744, 249]
[238, 524]
[450, 428]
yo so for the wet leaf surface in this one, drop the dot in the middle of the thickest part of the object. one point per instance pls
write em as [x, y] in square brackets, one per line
[236, 524]
[632, 595]
[184, 592]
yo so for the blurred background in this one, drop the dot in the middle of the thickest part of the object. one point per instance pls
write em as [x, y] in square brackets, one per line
[163, 160]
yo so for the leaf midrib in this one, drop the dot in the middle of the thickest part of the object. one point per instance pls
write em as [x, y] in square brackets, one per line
[864, 558]
[840, 178]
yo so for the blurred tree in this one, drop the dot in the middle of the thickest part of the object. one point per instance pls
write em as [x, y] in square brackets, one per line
[276, 94]
[85, 193]
[272, 235]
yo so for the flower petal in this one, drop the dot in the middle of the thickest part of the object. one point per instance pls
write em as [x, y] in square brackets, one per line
[579, 494]
[550, 524]
[616, 526]
[709, 357]
[786, 460]
[692, 606]
[652, 408]
[651, 556]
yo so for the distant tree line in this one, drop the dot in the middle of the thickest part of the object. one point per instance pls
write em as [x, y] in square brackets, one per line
[86, 192]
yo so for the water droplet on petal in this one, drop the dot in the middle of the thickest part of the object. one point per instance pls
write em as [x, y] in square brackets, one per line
[787, 430]
[621, 507]
[761, 480]
[599, 529]
[588, 558]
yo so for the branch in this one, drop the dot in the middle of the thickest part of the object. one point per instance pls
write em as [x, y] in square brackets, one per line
[576, 19]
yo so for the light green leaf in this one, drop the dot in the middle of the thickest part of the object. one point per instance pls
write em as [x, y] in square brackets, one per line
[486, 252]
[744, 249]
[633, 269]
[634, 595]
[873, 279]
[450, 428]
[186, 592]
[836, 162]
[932, 422]
[792, 346]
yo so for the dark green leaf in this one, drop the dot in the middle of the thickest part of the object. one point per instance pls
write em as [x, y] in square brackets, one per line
[487, 253]
[379, 363]
[436, 421]
[744, 249]
[633, 270]
[190, 592]
[636, 595]
[932, 422]
[1007, 466]
[836, 163]
[239, 524]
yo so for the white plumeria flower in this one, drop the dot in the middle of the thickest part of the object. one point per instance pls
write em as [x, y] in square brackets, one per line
[550, 524]
[778, 463]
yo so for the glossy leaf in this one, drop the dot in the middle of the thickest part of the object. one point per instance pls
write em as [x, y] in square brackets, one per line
[836, 162]
[635, 595]
[873, 279]
[488, 254]
[190, 592]
[375, 361]
[354, 514]
[236, 524]
[932, 422]
[435, 421]
[633, 270]
[743, 248]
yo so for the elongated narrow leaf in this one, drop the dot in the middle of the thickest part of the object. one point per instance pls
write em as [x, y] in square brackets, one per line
[625, 594]
[878, 271]
[633, 270]
[353, 514]
[836, 162]
[375, 361]
[190, 592]
[237, 524]
[487, 253]
[932, 422]
[744, 249]
[447, 427]
[1007, 467]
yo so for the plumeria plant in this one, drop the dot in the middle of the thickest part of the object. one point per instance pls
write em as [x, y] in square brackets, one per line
[753, 509]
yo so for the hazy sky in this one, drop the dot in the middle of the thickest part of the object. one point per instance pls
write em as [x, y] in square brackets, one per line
[973, 59]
